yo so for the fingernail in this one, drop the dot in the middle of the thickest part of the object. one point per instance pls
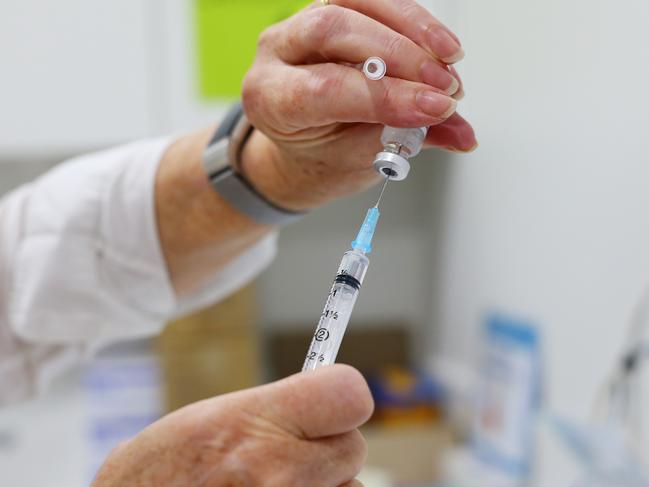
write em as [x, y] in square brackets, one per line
[444, 46]
[439, 77]
[436, 104]
[473, 148]
[459, 95]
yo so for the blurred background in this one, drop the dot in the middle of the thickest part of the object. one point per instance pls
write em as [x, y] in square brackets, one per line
[542, 234]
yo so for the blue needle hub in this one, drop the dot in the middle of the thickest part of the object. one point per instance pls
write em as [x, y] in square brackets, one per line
[363, 240]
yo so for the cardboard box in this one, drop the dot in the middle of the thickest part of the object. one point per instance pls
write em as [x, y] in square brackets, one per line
[212, 352]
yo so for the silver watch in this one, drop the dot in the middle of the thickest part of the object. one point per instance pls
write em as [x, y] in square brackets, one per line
[220, 161]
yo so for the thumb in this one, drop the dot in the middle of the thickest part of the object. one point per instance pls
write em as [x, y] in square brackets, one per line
[454, 134]
[329, 401]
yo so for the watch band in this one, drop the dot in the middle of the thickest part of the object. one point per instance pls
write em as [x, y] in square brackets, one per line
[221, 163]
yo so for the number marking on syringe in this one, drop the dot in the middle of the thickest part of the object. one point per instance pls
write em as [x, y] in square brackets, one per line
[322, 335]
[313, 355]
[330, 314]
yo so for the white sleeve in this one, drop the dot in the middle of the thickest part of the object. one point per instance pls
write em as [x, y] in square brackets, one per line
[81, 265]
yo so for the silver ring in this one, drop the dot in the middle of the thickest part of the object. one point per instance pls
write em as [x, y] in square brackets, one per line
[324, 2]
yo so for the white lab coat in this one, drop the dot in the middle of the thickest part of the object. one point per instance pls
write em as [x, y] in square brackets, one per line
[81, 266]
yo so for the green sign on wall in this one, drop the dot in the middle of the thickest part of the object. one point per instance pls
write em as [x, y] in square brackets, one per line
[227, 32]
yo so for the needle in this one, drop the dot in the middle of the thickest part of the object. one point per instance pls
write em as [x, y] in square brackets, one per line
[385, 185]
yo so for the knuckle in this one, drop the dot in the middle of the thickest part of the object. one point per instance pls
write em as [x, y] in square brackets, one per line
[408, 8]
[388, 104]
[326, 85]
[398, 107]
[251, 91]
[395, 47]
[322, 24]
[261, 103]
[268, 37]
[411, 9]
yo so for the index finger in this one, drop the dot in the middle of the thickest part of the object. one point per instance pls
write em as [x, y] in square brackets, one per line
[330, 401]
[413, 21]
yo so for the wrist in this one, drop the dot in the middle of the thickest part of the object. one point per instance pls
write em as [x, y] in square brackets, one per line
[263, 165]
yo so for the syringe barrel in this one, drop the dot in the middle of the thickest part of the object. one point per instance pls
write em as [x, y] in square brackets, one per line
[337, 311]
[354, 264]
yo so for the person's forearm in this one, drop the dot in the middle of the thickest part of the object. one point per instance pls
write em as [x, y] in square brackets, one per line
[199, 232]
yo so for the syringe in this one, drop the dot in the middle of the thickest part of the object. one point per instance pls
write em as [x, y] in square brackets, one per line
[344, 292]
[392, 163]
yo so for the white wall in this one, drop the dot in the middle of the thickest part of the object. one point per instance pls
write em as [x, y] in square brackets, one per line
[79, 75]
[548, 219]
[75, 74]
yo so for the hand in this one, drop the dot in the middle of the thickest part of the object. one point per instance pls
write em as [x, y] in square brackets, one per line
[297, 432]
[320, 119]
